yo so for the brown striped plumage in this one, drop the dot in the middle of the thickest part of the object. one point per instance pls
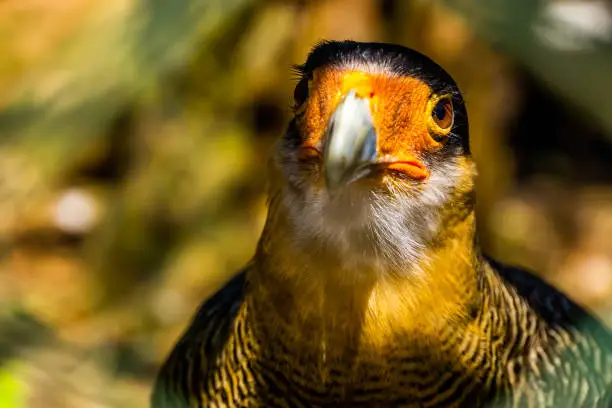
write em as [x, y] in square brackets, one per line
[372, 291]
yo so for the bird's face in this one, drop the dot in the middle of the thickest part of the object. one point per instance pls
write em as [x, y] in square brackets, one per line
[375, 153]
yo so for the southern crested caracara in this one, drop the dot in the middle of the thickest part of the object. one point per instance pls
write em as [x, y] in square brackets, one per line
[368, 288]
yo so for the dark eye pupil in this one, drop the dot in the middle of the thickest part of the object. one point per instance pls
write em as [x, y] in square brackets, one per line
[440, 111]
[442, 114]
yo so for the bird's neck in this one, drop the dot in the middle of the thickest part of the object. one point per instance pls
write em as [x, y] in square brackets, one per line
[306, 297]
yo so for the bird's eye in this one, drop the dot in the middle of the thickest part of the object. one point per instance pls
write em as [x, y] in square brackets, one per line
[301, 92]
[442, 114]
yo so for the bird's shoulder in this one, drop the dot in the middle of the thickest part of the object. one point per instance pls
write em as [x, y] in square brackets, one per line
[556, 312]
[550, 303]
[200, 345]
[577, 346]
[216, 314]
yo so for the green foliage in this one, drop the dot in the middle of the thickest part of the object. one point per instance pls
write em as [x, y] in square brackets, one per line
[13, 391]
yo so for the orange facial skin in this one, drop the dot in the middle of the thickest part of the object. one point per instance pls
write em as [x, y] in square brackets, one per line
[401, 110]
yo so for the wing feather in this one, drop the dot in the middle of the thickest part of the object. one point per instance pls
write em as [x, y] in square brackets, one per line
[182, 377]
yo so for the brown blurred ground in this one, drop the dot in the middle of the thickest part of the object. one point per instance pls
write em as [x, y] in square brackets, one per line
[133, 140]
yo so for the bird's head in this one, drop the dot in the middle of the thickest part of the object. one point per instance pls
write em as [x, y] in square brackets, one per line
[376, 160]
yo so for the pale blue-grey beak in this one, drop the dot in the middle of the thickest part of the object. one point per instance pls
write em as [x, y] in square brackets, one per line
[350, 143]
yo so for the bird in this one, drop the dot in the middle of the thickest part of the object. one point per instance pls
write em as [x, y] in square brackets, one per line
[368, 286]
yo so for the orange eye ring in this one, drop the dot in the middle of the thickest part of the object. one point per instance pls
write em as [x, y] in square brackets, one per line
[441, 115]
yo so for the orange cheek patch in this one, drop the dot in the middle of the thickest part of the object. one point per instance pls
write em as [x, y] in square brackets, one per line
[398, 105]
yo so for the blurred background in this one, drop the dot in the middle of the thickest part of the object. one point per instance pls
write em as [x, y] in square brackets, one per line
[134, 136]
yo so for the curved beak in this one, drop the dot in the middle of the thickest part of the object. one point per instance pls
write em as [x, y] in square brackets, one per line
[350, 144]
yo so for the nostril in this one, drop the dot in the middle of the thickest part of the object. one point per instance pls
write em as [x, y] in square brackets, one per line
[330, 130]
